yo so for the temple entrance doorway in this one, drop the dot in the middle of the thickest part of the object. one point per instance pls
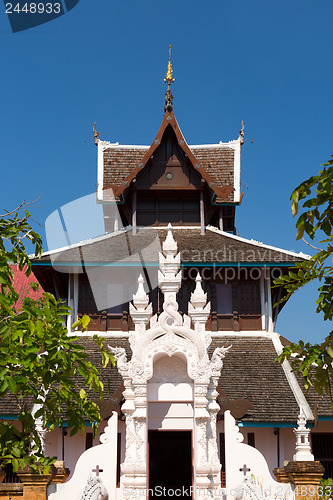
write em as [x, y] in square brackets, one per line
[170, 464]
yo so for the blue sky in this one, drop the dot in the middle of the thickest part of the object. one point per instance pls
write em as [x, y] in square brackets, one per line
[265, 62]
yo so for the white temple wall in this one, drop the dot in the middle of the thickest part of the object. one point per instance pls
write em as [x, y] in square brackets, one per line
[74, 446]
[52, 442]
[265, 442]
[95, 468]
[287, 446]
[177, 415]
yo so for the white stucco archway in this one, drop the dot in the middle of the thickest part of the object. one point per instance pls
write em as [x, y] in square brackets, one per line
[175, 337]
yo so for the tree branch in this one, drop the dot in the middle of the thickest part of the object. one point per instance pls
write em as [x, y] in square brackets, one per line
[316, 248]
[23, 204]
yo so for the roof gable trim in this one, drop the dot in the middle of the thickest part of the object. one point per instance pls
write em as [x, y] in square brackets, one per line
[170, 119]
[258, 243]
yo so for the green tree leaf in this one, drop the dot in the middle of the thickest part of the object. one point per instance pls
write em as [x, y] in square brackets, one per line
[39, 361]
[313, 362]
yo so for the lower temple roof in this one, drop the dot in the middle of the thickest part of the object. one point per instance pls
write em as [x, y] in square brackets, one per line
[214, 247]
[249, 372]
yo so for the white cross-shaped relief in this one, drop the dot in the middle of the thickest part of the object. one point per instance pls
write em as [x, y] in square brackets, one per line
[97, 470]
[244, 469]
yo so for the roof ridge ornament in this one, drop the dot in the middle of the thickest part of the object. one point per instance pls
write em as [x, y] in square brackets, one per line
[96, 135]
[241, 133]
[169, 80]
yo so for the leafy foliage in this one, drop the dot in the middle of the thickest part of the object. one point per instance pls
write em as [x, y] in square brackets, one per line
[39, 362]
[325, 489]
[314, 362]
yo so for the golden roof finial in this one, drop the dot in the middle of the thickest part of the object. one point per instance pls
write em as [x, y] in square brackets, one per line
[169, 80]
[169, 76]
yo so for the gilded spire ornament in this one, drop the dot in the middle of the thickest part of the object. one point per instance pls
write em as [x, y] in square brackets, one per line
[169, 80]
[169, 75]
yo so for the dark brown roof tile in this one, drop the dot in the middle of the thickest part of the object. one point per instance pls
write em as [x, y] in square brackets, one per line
[212, 247]
[218, 162]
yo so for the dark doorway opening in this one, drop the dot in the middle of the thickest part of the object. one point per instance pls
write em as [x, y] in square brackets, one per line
[322, 448]
[170, 464]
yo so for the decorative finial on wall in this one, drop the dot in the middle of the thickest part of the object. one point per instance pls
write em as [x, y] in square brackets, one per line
[96, 134]
[241, 133]
[303, 445]
[169, 80]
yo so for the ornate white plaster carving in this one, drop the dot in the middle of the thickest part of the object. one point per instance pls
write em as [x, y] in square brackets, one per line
[95, 476]
[245, 462]
[170, 316]
[303, 446]
[198, 310]
[169, 279]
[107, 436]
[216, 362]
[170, 370]
[121, 359]
[198, 297]
[140, 310]
[179, 353]
[202, 440]
[41, 431]
[153, 321]
[95, 489]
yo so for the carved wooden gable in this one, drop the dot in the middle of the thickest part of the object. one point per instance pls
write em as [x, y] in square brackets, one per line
[168, 167]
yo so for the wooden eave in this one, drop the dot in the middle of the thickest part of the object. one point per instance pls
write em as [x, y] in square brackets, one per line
[170, 119]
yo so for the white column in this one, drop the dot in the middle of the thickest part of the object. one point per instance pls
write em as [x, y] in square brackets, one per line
[128, 408]
[262, 299]
[202, 212]
[221, 218]
[76, 297]
[140, 422]
[116, 216]
[134, 205]
[213, 408]
[266, 300]
[70, 301]
[270, 327]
